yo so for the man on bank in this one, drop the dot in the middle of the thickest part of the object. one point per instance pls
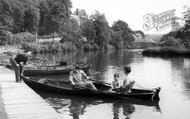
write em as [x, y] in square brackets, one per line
[79, 78]
[18, 61]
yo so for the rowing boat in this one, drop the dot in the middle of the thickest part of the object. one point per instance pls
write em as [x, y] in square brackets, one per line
[102, 92]
[32, 70]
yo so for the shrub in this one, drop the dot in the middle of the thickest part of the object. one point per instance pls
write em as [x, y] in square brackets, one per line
[87, 47]
[171, 41]
[166, 52]
[5, 37]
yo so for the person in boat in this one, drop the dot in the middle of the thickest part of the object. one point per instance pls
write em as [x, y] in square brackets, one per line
[115, 83]
[127, 84]
[18, 61]
[79, 78]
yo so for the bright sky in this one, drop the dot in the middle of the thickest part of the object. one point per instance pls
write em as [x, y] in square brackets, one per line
[130, 11]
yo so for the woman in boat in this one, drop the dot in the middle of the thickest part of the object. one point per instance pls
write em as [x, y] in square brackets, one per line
[127, 84]
[79, 78]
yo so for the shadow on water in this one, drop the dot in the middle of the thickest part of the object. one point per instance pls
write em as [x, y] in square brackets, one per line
[77, 104]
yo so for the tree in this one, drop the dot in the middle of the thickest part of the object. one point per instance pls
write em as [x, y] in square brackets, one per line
[103, 32]
[82, 15]
[116, 40]
[20, 15]
[70, 31]
[184, 32]
[126, 34]
[11, 15]
[31, 16]
[88, 30]
[53, 14]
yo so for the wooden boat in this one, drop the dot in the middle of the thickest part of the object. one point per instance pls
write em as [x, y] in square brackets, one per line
[32, 70]
[102, 92]
[95, 100]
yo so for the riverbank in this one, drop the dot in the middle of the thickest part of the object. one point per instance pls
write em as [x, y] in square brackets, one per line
[55, 47]
[166, 52]
[18, 101]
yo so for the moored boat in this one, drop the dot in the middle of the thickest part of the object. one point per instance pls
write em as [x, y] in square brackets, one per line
[33, 70]
[102, 92]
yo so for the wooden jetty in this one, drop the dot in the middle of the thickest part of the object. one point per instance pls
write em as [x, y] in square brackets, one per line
[21, 102]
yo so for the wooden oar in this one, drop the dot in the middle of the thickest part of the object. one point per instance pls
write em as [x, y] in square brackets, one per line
[99, 81]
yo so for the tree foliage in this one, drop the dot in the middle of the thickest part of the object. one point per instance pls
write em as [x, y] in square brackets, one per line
[103, 32]
[88, 30]
[53, 13]
[70, 31]
[19, 15]
[123, 31]
[33, 15]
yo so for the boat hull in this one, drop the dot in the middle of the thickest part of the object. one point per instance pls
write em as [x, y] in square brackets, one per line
[52, 71]
[138, 94]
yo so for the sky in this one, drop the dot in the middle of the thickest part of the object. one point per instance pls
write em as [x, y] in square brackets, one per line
[130, 11]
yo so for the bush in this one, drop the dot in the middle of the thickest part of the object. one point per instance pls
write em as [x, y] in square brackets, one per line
[87, 47]
[48, 47]
[17, 39]
[5, 37]
[28, 37]
[166, 52]
[171, 41]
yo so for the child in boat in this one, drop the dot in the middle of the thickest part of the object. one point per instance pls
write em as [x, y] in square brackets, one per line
[127, 84]
[115, 83]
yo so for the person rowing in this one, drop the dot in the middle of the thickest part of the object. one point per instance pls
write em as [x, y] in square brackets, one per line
[79, 78]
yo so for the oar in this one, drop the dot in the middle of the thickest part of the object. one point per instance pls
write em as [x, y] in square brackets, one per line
[101, 92]
[99, 81]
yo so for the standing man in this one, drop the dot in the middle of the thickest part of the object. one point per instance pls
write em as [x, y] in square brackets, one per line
[18, 61]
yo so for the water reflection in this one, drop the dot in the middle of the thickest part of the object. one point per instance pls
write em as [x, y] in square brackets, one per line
[77, 106]
[126, 108]
[171, 74]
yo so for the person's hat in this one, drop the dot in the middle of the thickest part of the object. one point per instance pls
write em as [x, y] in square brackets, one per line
[127, 69]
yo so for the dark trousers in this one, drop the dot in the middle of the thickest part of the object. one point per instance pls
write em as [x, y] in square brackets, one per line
[17, 69]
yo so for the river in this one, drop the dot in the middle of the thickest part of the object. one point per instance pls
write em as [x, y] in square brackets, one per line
[171, 74]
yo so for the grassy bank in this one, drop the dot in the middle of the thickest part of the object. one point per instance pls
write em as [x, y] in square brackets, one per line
[166, 52]
[48, 47]
[55, 47]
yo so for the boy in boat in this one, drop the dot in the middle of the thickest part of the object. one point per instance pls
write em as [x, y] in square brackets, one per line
[79, 78]
[115, 83]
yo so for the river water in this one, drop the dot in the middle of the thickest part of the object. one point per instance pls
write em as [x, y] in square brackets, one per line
[171, 74]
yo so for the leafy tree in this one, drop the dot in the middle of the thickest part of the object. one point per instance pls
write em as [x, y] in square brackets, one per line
[184, 33]
[11, 15]
[53, 14]
[83, 16]
[116, 40]
[31, 15]
[70, 31]
[103, 32]
[20, 15]
[126, 34]
[88, 30]
[5, 37]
